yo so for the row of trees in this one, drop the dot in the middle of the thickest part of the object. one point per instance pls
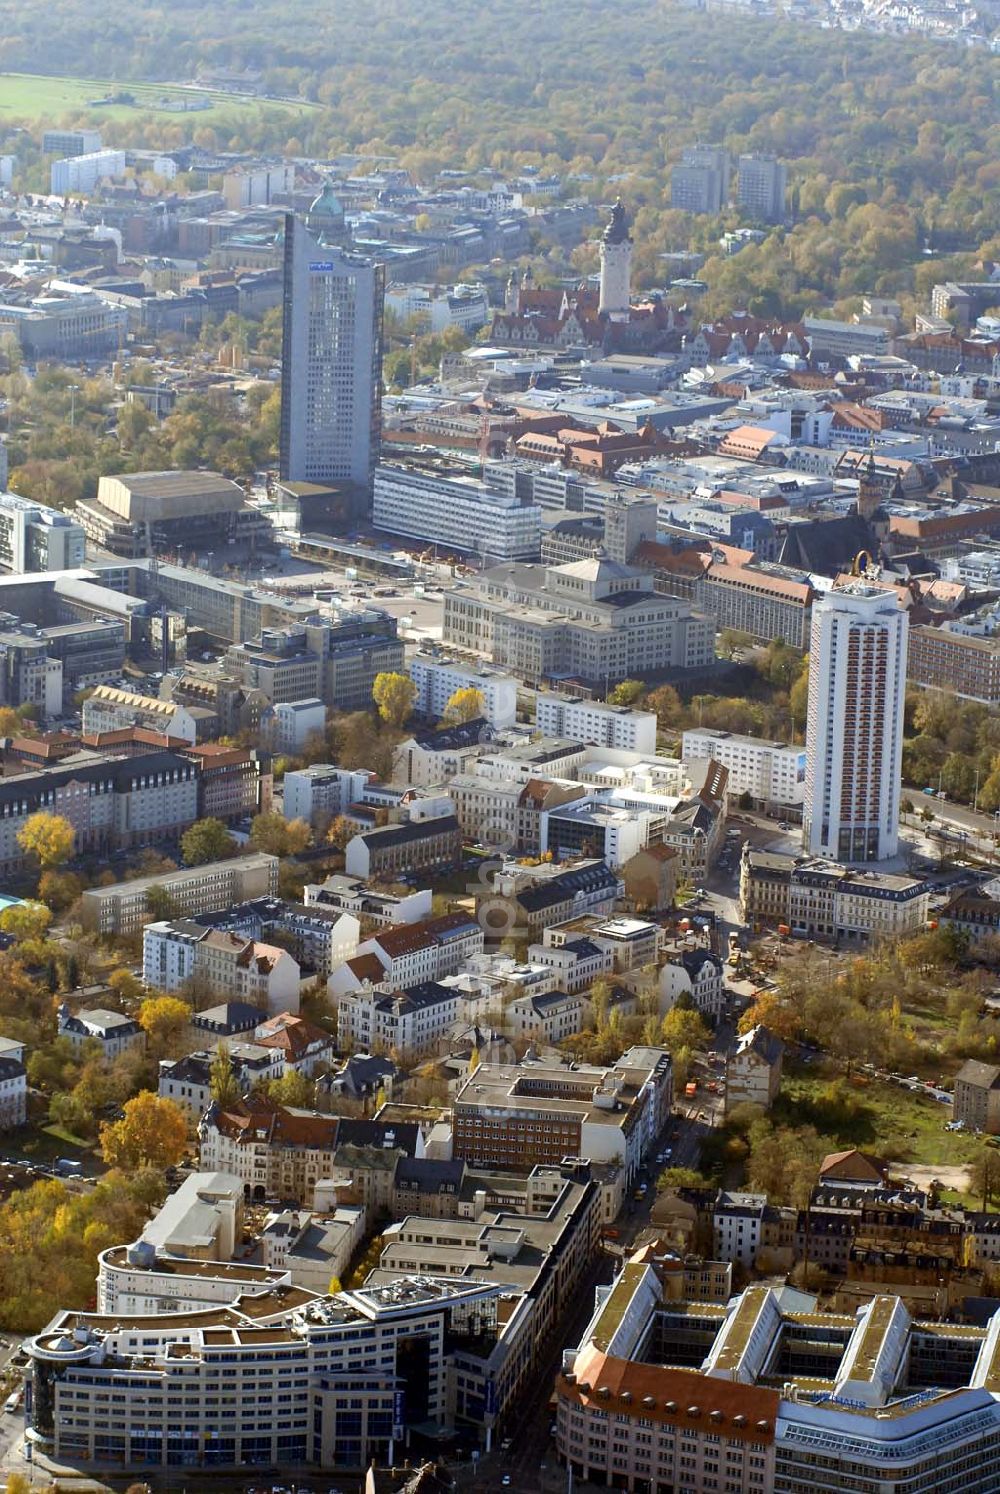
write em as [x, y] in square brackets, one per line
[60, 443]
[773, 701]
[916, 1003]
[51, 1236]
[953, 745]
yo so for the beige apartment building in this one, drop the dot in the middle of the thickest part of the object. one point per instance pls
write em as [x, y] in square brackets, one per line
[963, 664]
[762, 602]
[816, 899]
[124, 907]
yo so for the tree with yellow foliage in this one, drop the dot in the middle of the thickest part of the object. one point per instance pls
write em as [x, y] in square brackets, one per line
[466, 704]
[49, 837]
[340, 831]
[272, 833]
[151, 1133]
[769, 1011]
[59, 889]
[206, 840]
[394, 694]
[126, 986]
[163, 1019]
[28, 920]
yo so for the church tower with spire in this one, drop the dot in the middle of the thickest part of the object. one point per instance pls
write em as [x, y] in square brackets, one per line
[871, 491]
[512, 298]
[616, 265]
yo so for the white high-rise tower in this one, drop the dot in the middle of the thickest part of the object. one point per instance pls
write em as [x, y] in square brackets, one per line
[616, 264]
[854, 729]
[331, 360]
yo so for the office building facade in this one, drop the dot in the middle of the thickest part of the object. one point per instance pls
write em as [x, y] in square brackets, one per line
[70, 142]
[331, 363]
[455, 513]
[596, 722]
[700, 183]
[277, 1379]
[763, 1397]
[593, 621]
[761, 186]
[36, 538]
[854, 725]
[771, 772]
[124, 907]
[437, 678]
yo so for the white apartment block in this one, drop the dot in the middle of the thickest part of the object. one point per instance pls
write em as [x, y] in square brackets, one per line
[411, 954]
[737, 1227]
[854, 725]
[455, 513]
[770, 772]
[595, 722]
[13, 1092]
[548, 1018]
[438, 307]
[233, 967]
[82, 173]
[410, 1022]
[314, 1248]
[322, 792]
[114, 1032]
[36, 538]
[287, 724]
[830, 339]
[575, 964]
[371, 908]
[695, 973]
[437, 679]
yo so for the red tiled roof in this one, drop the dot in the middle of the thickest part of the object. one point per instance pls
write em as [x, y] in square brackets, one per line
[366, 967]
[795, 591]
[746, 438]
[719, 1402]
[242, 1121]
[689, 560]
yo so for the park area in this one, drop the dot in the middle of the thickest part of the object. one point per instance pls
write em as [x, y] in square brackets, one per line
[33, 96]
[821, 1111]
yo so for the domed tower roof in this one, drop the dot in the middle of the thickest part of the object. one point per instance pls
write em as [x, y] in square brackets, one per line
[616, 231]
[327, 206]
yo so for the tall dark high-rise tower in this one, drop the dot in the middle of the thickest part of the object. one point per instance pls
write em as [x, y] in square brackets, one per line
[331, 369]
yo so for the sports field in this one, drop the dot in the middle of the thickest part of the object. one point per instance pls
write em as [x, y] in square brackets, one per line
[31, 96]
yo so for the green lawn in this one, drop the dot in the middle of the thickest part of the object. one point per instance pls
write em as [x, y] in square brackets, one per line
[45, 1144]
[66, 1138]
[35, 96]
[885, 1116]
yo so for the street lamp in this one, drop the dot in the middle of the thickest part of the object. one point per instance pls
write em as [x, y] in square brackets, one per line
[73, 388]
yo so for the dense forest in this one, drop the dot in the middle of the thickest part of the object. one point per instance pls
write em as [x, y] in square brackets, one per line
[893, 144]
